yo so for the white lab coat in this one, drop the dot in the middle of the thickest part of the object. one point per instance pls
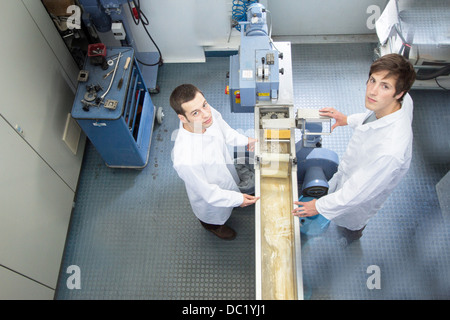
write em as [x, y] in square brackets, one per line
[377, 157]
[204, 163]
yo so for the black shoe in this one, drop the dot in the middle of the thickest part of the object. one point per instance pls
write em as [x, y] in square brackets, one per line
[348, 236]
[224, 232]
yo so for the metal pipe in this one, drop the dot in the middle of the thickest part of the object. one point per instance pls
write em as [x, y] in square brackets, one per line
[114, 75]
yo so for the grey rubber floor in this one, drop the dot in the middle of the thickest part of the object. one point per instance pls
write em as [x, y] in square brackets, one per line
[134, 236]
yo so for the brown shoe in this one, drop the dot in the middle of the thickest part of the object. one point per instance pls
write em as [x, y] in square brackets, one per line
[224, 232]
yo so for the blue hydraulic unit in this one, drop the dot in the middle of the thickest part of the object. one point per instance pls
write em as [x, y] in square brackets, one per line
[114, 109]
[117, 17]
[315, 165]
[315, 225]
[254, 71]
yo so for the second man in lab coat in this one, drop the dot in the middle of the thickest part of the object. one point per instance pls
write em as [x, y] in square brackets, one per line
[378, 154]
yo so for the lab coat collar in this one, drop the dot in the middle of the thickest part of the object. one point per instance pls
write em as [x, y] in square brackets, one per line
[182, 129]
[384, 121]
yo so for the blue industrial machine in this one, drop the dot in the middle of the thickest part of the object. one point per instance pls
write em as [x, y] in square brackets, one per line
[255, 76]
[117, 119]
[254, 71]
[104, 16]
[315, 166]
[113, 104]
[315, 225]
[260, 81]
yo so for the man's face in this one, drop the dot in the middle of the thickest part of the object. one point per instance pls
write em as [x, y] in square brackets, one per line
[380, 94]
[197, 116]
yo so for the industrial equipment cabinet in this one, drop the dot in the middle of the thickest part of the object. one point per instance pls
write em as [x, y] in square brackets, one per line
[121, 125]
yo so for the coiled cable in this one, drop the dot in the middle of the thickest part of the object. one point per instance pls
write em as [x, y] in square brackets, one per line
[141, 17]
[239, 12]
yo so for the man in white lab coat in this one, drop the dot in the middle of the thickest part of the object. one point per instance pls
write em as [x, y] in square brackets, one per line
[202, 160]
[378, 154]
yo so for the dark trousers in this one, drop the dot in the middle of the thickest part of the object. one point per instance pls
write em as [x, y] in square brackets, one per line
[350, 235]
[208, 226]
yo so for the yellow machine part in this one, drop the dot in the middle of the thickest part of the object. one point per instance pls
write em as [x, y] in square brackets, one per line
[277, 134]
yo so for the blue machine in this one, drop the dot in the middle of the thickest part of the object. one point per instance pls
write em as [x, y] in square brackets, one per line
[120, 127]
[315, 165]
[255, 80]
[95, 14]
[254, 72]
[315, 225]
[107, 15]
[113, 104]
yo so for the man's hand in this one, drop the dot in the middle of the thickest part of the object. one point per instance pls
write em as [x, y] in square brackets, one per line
[306, 209]
[248, 200]
[251, 144]
[341, 119]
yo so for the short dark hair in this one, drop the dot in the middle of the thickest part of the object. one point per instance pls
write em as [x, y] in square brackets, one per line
[181, 94]
[397, 67]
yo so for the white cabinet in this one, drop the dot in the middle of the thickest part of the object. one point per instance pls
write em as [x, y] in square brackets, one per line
[36, 91]
[34, 221]
[38, 172]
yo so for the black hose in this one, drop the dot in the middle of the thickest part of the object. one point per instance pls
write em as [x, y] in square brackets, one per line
[444, 71]
[145, 23]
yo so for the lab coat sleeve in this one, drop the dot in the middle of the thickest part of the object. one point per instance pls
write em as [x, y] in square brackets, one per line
[195, 179]
[408, 105]
[332, 183]
[232, 137]
[364, 185]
